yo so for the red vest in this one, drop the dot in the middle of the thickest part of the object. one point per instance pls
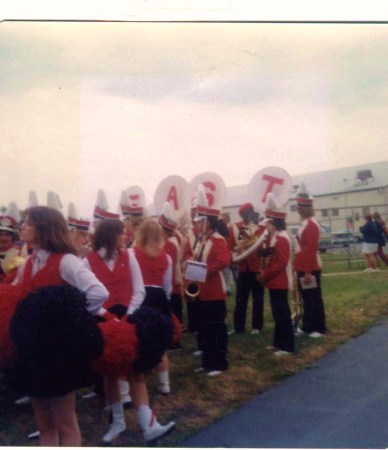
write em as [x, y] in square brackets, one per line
[118, 282]
[49, 275]
[152, 268]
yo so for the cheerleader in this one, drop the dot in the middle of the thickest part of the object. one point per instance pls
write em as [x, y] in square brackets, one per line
[53, 263]
[117, 268]
[277, 277]
[156, 268]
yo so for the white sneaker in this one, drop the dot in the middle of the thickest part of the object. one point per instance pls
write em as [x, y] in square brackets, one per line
[34, 435]
[368, 269]
[164, 388]
[375, 270]
[157, 431]
[214, 373]
[114, 431]
[231, 332]
[199, 370]
[23, 401]
[315, 334]
[282, 353]
[298, 332]
[118, 423]
[198, 353]
[255, 331]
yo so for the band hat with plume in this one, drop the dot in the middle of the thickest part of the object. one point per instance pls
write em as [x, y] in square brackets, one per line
[100, 210]
[32, 199]
[126, 209]
[203, 208]
[53, 201]
[11, 218]
[166, 218]
[244, 207]
[303, 196]
[132, 203]
[74, 222]
[273, 210]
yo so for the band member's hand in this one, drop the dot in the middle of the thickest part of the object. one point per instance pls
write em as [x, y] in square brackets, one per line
[260, 277]
[307, 279]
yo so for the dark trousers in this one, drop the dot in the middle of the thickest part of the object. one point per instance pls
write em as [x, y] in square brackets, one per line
[247, 283]
[192, 314]
[313, 308]
[212, 334]
[283, 338]
[176, 306]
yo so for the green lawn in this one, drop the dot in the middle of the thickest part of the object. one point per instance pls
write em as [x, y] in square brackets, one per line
[353, 302]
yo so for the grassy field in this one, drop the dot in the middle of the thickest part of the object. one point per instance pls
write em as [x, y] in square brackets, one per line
[354, 302]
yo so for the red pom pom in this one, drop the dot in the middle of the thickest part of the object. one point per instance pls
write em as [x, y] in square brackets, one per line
[10, 297]
[177, 329]
[120, 349]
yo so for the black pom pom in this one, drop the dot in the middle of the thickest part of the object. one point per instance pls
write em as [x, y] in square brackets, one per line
[55, 337]
[154, 331]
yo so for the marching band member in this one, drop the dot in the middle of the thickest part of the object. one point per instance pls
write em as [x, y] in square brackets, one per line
[132, 204]
[247, 283]
[12, 252]
[212, 249]
[53, 263]
[308, 265]
[277, 277]
[173, 249]
[157, 269]
[79, 231]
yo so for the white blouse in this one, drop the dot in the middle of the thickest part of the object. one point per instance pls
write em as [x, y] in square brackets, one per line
[138, 290]
[74, 272]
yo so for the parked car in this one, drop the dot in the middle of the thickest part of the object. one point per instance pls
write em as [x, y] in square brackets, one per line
[342, 239]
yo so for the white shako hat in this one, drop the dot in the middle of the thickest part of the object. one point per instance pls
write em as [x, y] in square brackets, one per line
[273, 210]
[74, 222]
[132, 202]
[9, 221]
[32, 199]
[303, 196]
[53, 201]
[100, 210]
[203, 208]
[166, 218]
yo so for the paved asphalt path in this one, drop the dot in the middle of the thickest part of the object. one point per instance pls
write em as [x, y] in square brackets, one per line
[340, 402]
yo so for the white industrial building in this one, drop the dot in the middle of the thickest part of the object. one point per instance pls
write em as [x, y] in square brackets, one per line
[342, 196]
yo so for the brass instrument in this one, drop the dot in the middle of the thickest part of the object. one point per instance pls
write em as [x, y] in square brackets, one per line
[192, 288]
[296, 304]
[13, 263]
[248, 246]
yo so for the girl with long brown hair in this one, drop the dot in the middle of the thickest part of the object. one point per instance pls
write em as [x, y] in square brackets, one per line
[54, 263]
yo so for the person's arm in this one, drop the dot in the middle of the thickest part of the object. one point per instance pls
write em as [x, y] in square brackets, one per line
[138, 289]
[75, 272]
[167, 279]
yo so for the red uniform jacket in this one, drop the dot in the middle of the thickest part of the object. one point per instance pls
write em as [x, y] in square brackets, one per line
[171, 247]
[117, 281]
[217, 257]
[278, 273]
[307, 256]
[240, 231]
[48, 275]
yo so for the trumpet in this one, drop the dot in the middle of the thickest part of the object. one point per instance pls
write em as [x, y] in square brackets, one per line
[249, 246]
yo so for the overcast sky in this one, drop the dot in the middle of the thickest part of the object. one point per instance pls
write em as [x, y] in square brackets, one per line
[109, 105]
